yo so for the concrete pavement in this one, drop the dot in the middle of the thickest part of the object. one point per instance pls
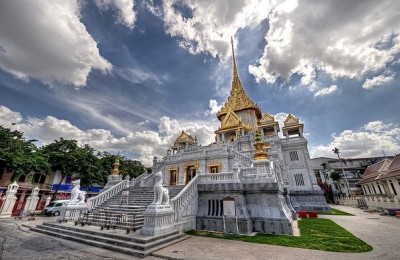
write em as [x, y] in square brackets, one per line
[381, 232]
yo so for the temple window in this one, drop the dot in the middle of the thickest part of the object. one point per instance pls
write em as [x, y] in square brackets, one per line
[298, 177]
[293, 156]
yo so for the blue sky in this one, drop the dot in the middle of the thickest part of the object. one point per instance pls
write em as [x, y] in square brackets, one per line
[127, 76]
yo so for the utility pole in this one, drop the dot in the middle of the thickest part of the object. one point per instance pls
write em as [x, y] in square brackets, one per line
[336, 151]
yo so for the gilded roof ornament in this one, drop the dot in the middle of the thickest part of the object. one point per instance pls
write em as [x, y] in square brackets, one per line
[237, 100]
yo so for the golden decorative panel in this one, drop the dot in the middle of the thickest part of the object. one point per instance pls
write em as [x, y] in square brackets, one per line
[194, 164]
[214, 164]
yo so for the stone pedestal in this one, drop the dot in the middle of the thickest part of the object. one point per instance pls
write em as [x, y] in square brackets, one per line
[71, 211]
[9, 200]
[158, 220]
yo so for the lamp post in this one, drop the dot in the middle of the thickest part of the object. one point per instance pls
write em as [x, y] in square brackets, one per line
[336, 151]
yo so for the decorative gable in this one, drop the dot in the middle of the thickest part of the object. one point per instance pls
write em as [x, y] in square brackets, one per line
[231, 119]
[291, 120]
[266, 118]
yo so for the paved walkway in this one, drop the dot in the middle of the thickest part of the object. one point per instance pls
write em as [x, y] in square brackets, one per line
[381, 232]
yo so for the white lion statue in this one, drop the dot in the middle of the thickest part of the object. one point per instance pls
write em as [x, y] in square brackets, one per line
[161, 196]
[77, 196]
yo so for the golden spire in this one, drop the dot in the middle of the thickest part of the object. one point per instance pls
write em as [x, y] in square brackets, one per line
[237, 100]
[235, 72]
[115, 171]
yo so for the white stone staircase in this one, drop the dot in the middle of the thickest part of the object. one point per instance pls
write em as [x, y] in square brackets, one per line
[140, 246]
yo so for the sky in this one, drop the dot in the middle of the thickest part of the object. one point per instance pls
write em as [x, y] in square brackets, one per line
[126, 76]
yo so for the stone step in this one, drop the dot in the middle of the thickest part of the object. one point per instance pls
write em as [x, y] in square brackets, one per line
[140, 246]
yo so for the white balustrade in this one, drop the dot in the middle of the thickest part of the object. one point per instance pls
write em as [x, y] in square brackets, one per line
[181, 201]
[104, 196]
[217, 177]
[242, 159]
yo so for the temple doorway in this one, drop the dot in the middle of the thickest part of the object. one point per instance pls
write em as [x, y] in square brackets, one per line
[173, 177]
[190, 173]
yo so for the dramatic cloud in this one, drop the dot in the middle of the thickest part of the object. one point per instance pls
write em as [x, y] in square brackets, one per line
[126, 13]
[371, 140]
[340, 38]
[47, 41]
[206, 26]
[214, 108]
[326, 91]
[8, 118]
[142, 145]
[377, 81]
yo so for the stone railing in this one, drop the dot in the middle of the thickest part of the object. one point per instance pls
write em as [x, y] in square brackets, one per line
[242, 159]
[216, 152]
[107, 194]
[217, 177]
[138, 179]
[185, 197]
[247, 171]
[148, 181]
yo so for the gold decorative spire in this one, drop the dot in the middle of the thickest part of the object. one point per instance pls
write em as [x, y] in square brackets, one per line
[115, 171]
[237, 100]
[235, 72]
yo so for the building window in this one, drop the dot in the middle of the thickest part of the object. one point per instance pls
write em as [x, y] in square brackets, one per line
[379, 188]
[393, 188]
[293, 156]
[215, 208]
[298, 177]
[214, 169]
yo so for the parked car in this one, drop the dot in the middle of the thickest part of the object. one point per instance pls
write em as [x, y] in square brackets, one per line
[54, 208]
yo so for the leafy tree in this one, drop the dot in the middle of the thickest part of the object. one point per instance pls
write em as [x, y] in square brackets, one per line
[20, 156]
[133, 168]
[72, 160]
[335, 176]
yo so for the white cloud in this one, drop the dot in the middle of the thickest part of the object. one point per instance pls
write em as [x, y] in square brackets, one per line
[214, 108]
[126, 13]
[8, 117]
[377, 81]
[141, 144]
[206, 26]
[343, 39]
[370, 140]
[47, 41]
[326, 91]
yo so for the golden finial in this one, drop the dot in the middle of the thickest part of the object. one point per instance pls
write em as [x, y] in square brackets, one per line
[115, 171]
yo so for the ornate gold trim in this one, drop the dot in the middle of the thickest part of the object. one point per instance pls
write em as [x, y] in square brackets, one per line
[194, 164]
[213, 164]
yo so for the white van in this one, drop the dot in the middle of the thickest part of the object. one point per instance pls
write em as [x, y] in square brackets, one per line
[54, 208]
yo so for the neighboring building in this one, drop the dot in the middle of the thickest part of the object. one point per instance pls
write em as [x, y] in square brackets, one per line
[47, 186]
[354, 169]
[240, 118]
[382, 179]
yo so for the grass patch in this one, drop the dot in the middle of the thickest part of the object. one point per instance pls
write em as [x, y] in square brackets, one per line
[336, 212]
[319, 234]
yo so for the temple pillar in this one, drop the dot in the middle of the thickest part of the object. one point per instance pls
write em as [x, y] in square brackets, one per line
[31, 201]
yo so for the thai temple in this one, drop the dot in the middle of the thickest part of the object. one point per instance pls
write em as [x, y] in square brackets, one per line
[249, 180]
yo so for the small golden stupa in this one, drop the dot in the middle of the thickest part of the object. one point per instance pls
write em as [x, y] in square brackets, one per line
[260, 154]
[115, 171]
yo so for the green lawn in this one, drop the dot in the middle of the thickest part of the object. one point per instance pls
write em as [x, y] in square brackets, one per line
[336, 212]
[319, 234]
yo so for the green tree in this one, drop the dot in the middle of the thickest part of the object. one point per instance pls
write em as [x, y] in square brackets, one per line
[335, 176]
[20, 156]
[72, 160]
